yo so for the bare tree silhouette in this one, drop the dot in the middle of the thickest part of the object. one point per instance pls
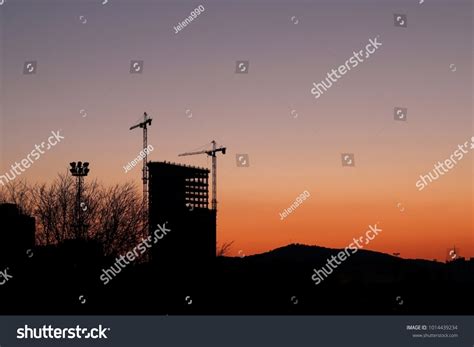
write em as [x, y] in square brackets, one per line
[18, 192]
[224, 249]
[119, 218]
[112, 215]
[54, 211]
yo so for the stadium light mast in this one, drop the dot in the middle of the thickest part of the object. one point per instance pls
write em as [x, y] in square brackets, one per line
[79, 170]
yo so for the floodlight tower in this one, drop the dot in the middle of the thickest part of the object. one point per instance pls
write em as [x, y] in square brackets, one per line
[144, 125]
[79, 170]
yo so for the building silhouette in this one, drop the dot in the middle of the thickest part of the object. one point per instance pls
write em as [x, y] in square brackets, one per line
[17, 234]
[179, 197]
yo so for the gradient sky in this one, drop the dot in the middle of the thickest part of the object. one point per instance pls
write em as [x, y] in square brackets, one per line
[86, 66]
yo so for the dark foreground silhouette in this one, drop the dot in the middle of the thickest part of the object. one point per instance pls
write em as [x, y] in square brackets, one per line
[65, 279]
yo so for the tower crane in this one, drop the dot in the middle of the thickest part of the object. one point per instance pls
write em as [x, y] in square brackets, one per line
[212, 153]
[144, 125]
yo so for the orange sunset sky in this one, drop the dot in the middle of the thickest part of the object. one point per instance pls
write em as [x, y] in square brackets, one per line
[86, 67]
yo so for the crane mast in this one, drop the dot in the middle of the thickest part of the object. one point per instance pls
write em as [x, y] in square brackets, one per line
[214, 176]
[144, 125]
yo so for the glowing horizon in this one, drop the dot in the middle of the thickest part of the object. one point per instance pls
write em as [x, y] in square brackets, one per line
[83, 87]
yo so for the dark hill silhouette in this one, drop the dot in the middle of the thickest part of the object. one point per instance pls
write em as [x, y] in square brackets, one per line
[367, 282]
[275, 282]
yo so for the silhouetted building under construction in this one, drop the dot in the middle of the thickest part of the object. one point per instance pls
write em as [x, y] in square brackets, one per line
[179, 197]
